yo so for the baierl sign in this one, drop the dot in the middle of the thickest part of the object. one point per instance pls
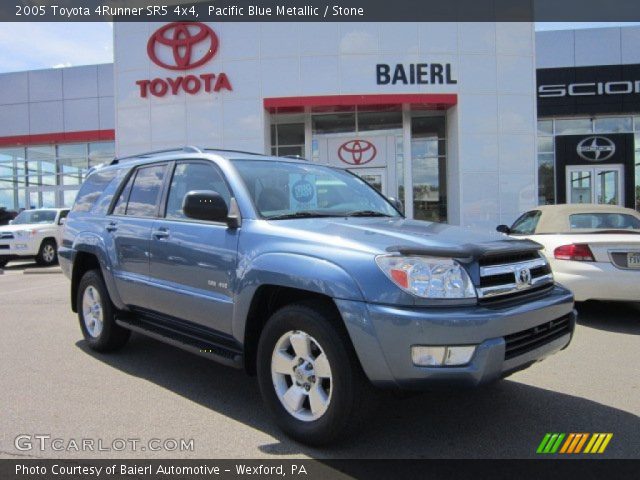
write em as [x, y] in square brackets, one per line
[183, 46]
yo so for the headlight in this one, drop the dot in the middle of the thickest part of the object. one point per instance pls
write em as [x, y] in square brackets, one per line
[428, 277]
[26, 233]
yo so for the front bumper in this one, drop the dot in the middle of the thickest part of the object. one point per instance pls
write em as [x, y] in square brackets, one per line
[19, 247]
[383, 336]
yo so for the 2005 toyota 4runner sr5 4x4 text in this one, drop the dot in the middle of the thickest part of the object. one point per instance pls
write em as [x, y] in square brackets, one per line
[305, 276]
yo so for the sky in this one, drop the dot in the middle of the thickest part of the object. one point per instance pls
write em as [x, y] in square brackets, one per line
[47, 45]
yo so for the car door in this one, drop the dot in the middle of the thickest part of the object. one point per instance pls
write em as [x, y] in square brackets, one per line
[192, 267]
[128, 232]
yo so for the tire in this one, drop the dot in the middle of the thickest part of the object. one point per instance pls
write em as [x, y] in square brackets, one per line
[3, 263]
[96, 314]
[342, 401]
[48, 253]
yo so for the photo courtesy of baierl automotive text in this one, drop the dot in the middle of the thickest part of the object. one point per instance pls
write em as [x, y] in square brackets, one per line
[354, 240]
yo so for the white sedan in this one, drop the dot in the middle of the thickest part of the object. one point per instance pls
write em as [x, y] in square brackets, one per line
[594, 250]
[33, 234]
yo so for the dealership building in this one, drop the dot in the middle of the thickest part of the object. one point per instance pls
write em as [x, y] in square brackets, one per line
[468, 123]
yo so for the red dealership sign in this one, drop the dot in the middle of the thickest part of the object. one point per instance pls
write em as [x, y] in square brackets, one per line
[183, 46]
[357, 152]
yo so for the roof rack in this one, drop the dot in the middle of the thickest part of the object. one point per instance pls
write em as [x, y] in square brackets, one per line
[295, 157]
[233, 151]
[186, 149]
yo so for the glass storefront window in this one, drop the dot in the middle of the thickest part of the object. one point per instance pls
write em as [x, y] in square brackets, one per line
[545, 127]
[334, 123]
[101, 152]
[574, 126]
[428, 168]
[613, 125]
[545, 144]
[546, 179]
[379, 120]
[287, 139]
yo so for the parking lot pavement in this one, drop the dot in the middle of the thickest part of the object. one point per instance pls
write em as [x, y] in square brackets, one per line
[53, 385]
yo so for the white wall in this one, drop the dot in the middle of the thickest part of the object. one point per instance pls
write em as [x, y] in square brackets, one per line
[493, 123]
[588, 47]
[57, 100]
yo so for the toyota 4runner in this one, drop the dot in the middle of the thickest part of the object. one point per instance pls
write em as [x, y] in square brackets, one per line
[305, 276]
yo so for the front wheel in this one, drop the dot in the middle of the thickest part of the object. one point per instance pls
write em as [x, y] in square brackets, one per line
[309, 375]
[96, 314]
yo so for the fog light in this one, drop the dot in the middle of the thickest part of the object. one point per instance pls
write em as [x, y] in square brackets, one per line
[425, 356]
[459, 355]
[428, 356]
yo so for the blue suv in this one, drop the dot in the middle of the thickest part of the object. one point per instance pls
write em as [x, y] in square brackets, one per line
[305, 276]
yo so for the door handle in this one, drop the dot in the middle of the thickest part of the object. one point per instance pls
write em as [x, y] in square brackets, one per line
[161, 233]
[111, 227]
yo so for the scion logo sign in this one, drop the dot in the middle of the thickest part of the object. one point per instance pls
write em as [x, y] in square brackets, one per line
[357, 152]
[181, 41]
[183, 46]
[596, 149]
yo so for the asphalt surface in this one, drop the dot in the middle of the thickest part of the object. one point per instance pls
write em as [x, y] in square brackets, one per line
[51, 384]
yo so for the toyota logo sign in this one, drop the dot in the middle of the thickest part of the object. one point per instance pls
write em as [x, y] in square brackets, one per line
[181, 38]
[596, 149]
[357, 152]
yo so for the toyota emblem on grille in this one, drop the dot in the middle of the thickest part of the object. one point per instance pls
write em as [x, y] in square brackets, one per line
[523, 277]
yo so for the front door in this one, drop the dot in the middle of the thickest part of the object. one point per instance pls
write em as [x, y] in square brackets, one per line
[193, 263]
[602, 184]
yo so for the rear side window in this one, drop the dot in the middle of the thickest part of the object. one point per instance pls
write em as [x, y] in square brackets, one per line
[526, 224]
[92, 189]
[141, 196]
[604, 221]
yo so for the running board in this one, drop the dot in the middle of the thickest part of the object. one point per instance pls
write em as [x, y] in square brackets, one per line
[200, 346]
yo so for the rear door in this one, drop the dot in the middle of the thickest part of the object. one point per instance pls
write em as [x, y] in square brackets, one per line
[193, 263]
[128, 230]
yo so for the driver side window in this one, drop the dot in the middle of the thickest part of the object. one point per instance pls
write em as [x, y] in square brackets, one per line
[193, 176]
[526, 224]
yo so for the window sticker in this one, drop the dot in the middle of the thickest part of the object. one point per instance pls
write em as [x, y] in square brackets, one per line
[303, 192]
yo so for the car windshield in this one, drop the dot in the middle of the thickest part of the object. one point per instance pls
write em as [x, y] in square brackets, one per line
[604, 221]
[282, 190]
[35, 216]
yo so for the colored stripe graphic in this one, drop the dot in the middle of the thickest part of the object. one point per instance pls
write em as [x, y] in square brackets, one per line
[574, 443]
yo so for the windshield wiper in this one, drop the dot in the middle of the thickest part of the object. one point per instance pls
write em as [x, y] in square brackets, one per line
[301, 214]
[366, 213]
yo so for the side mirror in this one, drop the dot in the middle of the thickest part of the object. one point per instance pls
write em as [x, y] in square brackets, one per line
[205, 205]
[397, 204]
[503, 229]
[10, 222]
[62, 221]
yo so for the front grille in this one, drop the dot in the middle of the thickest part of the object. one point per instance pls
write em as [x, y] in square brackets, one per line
[522, 342]
[6, 236]
[509, 276]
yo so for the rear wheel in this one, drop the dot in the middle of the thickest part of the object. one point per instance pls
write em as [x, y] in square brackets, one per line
[3, 263]
[309, 375]
[96, 314]
[48, 253]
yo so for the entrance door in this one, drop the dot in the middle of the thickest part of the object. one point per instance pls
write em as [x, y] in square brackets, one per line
[376, 177]
[602, 184]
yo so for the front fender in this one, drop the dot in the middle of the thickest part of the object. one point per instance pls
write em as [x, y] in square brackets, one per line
[94, 244]
[294, 271]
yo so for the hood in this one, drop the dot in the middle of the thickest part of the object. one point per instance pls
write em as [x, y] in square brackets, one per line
[25, 226]
[410, 237]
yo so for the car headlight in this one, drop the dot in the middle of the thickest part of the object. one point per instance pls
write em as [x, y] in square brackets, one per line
[428, 277]
[26, 233]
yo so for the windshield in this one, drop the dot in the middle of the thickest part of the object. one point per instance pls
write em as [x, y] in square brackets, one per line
[282, 190]
[35, 216]
[604, 221]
